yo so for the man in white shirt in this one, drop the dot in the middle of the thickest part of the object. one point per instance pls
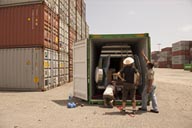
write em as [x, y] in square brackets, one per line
[108, 95]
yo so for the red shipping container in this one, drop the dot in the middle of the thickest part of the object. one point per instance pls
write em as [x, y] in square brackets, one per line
[181, 52]
[166, 49]
[28, 26]
[165, 64]
[177, 66]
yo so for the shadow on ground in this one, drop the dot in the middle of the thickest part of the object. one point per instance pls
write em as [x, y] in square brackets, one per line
[78, 102]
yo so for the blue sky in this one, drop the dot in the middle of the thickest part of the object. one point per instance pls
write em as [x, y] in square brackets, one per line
[167, 21]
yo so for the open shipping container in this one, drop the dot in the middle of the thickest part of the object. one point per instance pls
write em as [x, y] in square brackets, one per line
[107, 53]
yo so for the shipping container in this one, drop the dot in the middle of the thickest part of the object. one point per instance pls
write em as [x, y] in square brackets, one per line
[181, 45]
[165, 64]
[79, 6]
[28, 26]
[28, 69]
[155, 57]
[53, 4]
[165, 58]
[79, 27]
[18, 2]
[177, 66]
[187, 67]
[181, 52]
[83, 10]
[72, 40]
[106, 52]
[180, 59]
[169, 49]
[64, 10]
[72, 14]
[83, 29]
[86, 30]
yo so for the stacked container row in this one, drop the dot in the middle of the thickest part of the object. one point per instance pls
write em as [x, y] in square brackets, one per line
[155, 57]
[181, 54]
[78, 28]
[29, 40]
[47, 30]
[63, 41]
[72, 35]
[165, 58]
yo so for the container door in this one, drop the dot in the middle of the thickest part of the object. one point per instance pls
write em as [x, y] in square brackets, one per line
[80, 69]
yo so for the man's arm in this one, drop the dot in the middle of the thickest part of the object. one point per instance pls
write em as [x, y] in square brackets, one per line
[145, 57]
[119, 75]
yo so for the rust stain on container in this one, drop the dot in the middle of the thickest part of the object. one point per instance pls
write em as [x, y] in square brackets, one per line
[28, 26]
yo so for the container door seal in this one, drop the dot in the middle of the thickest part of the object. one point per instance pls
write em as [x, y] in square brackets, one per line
[80, 70]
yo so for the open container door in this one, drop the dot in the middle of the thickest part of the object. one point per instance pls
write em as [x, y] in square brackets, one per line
[80, 69]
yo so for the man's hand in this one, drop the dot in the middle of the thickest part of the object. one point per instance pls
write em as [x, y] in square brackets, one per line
[119, 75]
[148, 90]
[123, 80]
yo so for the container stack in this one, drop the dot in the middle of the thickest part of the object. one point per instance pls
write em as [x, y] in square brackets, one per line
[79, 19]
[36, 42]
[165, 59]
[155, 57]
[181, 54]
[83, 22]
[72, 35]
[78, 28]
[63, 41]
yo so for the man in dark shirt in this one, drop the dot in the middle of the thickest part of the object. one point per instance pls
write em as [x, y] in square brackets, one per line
[128, 72]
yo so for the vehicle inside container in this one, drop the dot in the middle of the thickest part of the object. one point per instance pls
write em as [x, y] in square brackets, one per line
[108, 55]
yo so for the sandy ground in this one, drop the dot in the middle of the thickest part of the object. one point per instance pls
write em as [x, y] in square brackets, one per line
[48, 109]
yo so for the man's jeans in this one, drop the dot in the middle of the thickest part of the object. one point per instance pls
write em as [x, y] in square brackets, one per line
[151, 95]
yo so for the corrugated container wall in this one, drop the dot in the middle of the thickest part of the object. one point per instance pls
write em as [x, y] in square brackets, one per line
[87, 31]
[79, 6]
[49, 24]
[72, 40]
[165, 58]
[28, 68]
[79, 27]
[72, 14]
[83, 20]
[53, 4]
[181, 54]
[28, 26]
[63, 41]
[83, 10]
[154, 57]
[17, 2]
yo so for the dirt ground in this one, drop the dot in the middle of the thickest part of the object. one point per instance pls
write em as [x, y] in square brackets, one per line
[48, 109]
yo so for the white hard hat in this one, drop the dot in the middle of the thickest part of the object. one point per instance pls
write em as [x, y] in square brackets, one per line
[128, 61]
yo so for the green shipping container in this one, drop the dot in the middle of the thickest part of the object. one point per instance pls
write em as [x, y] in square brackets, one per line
[107, 52]
[188, 67]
